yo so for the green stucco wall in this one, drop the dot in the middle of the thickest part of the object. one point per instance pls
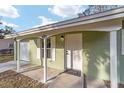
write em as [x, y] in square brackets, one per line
[96, 55]
[59, 60]
[33, 45]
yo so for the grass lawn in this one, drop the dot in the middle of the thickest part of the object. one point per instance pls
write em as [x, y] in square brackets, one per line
[6, 58]
[12, 79]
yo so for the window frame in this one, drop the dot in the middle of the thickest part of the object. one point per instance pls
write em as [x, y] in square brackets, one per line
[51, 48]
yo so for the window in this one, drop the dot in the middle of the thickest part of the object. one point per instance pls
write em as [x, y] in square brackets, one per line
[50, 48]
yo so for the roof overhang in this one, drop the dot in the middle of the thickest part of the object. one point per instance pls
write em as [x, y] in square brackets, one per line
[116, 15]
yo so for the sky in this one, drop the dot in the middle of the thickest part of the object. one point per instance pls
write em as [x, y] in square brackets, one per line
[24, 17]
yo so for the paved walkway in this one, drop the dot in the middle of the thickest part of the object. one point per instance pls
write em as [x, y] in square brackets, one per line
[7, 66]
[11, 65]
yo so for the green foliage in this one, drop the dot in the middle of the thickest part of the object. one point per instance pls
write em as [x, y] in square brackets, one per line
[93, 9]
[6, 30]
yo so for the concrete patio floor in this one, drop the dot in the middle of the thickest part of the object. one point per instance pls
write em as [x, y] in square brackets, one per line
[66, 81]
[59, 79]
[56, 78]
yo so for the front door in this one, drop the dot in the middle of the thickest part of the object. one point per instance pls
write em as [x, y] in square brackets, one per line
[73, 51]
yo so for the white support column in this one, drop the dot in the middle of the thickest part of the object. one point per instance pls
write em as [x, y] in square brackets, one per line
[15, 47]
[18, 55]
[113, 59]
[45, 59]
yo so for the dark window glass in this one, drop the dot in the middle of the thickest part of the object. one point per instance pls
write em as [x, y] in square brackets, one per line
[48, 53]
[48, 43]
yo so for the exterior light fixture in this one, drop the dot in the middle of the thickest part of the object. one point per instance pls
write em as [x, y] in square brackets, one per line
[62, 38]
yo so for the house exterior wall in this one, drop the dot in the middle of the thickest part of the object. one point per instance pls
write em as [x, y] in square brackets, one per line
[33, 45]
[4, 43]
[96, 55]
[59, 55]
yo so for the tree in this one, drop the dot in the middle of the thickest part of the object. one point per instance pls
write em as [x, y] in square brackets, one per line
[6, 30]
[93, 9]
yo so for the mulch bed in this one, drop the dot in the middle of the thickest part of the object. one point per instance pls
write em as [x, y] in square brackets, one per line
[12, 79]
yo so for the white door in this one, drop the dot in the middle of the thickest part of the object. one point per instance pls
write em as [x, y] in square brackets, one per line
[24, 51]
[73, 51]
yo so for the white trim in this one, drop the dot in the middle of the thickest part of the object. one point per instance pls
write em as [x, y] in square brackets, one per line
[38, 53]
[38, 48]
[53, 50]
[15, 50]
[113, 59]
[45, 60]
[18, 55]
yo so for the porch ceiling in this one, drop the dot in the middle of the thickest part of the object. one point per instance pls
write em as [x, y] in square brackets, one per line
[104, 26]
